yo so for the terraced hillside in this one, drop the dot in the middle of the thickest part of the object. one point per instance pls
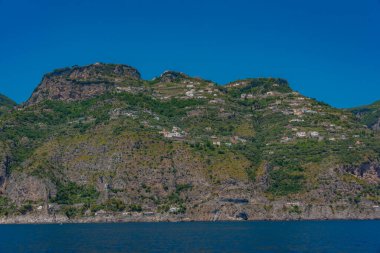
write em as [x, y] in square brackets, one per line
[99, 143]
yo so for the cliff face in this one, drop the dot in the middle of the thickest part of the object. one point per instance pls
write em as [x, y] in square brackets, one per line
[98, 143]
[78, 83]
[376, 126]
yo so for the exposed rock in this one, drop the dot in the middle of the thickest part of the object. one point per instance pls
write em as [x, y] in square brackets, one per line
[369, 170]
[21, 188]
[376, 125]
[5, 160]
[180, 149]
[4, 170]
[172, 76]
[78, 83]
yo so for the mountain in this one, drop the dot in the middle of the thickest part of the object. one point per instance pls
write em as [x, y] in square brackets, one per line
[369, 115]
[99, 143]
[6, 104]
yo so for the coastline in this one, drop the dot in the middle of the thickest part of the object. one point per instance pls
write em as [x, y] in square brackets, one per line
[280, 211]
[40, 220]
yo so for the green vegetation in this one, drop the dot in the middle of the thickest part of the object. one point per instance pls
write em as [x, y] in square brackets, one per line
[182, 187]
[368, 115]
[26, 208]
[6, 104]
[286, 181]
[135, 208]
[71, 193]
[6, 206]
[174, 200]
[140, 138]
[370, 192]
[295, 210]
[114, 205]
[72, 212]
[111, 205]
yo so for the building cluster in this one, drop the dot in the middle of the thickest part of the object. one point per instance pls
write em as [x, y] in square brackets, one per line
[176, 132]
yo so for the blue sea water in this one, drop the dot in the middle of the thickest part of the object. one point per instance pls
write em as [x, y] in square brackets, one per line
[300, 236]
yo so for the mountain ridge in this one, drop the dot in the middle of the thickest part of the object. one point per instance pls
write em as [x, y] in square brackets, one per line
[98, 142]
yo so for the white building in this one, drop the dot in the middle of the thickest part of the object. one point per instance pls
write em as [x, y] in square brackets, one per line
[301, 134]
[314, 134]
[190, 93]
[216, 143]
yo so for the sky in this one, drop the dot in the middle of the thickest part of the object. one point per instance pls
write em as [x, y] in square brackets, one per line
[326, 49]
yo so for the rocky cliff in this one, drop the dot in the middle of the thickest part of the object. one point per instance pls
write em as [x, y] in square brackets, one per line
[98, 143]
[77, 83]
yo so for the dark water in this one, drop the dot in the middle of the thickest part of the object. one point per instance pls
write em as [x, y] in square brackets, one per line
[305, 236]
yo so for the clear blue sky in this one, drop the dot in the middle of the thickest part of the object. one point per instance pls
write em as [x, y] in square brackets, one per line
[327, 49]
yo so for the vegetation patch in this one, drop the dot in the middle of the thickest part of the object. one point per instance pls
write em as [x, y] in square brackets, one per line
[285, 181]
[6, 206]
[71, 193]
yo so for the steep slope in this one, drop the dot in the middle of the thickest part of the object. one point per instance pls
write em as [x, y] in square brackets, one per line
[103, 145]
[6, 104]
[369, 115]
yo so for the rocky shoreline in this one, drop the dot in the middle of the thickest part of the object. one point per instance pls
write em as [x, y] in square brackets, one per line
[229, 209]
[62, 219]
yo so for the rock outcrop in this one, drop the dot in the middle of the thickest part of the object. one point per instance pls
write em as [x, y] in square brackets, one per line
[172, 76]
[78, 83]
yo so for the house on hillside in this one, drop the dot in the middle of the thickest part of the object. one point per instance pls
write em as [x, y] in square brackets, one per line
[314, 134]
[301, 134]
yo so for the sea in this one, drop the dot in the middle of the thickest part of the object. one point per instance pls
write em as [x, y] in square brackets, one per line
[265, 236]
